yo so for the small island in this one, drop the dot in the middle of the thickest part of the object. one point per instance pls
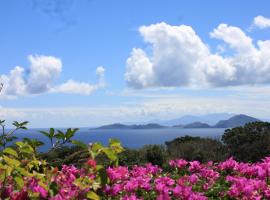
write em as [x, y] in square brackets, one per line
[134, 126]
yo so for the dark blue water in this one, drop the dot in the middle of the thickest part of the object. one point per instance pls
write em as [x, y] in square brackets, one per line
[129, 138]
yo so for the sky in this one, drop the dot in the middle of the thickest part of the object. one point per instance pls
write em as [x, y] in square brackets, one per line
[68, 63]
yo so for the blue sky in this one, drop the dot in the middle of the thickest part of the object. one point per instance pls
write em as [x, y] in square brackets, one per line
[128, 61]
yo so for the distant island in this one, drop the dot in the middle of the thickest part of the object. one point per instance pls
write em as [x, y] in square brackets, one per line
[197, 125]
[237, 120]
[234, 121]
[135, 126]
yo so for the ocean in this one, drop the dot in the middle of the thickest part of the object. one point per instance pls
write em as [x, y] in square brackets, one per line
[131, 138]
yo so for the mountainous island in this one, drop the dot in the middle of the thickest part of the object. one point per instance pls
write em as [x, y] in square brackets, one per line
[135, 126]
[237, 120]
[234, 121]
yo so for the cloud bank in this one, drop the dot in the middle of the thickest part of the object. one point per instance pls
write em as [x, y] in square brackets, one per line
[40, 78]
[179, 58]
[155, 106]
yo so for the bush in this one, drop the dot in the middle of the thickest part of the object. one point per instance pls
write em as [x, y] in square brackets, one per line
[155, 154]
[66, 155]
[196, 148]
[250, 143]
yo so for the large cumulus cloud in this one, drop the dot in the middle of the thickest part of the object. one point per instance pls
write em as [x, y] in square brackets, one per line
[179, 58]
[41, 77]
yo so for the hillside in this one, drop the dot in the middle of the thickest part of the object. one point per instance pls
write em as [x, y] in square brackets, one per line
[237, 120]
[135, 126]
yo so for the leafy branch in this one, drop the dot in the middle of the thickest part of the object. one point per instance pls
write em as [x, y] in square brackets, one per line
[8, 136]
[59, 138]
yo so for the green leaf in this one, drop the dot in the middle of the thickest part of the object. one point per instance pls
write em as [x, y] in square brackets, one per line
[22, 171]
[11, 162]
[92, 195]
[10, 151]
[96, 147]
[80, 144]
[24, 147]
[19, 181]
[21, 125]
[116, 145]
[103, 176]
[110, 154]
[45, 133]
[52, 131]
[69, 134]
[19, 144]
[27, 149]
[60, 135]
[53, 189]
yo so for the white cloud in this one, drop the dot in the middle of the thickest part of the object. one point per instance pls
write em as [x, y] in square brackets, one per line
[179, 58]
[73, 87]
[44, 70]
[41, 78]
[14, 83]
[261, 22]
[154, 106]
[139, 69]
[100, 71]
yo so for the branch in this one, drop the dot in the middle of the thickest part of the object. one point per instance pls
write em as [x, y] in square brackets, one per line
[1, 87]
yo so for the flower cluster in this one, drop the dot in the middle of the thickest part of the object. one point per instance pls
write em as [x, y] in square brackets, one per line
[191, 180]
[186, 180]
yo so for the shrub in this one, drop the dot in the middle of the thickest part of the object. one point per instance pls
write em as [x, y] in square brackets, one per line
[248, 143]
[196, 148]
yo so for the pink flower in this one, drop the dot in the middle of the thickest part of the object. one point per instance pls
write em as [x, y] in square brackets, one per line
[35, 187]
[194, 166]
[118, 173]
[179, 163]
[131, 197]
[92, 163]
[193, 179]
[229, 164]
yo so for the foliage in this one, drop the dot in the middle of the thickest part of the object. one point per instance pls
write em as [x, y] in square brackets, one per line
[248, 143]
[26, 174]
[196, 148]
[155, 154]
[58, 138]
[8, 136]
[23, 176]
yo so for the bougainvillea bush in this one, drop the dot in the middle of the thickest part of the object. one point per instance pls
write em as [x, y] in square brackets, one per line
[23, 175]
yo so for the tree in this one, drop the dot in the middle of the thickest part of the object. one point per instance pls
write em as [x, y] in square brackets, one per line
[196, 148]
[249, 143]
[155, 154]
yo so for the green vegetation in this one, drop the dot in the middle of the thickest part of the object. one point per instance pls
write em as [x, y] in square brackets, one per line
[249, 143]
[185, 168]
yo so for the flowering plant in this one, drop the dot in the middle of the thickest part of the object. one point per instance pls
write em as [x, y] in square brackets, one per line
[24, 175]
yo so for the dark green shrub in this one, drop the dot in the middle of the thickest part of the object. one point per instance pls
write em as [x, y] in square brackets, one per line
[249, 143]
[196, 148]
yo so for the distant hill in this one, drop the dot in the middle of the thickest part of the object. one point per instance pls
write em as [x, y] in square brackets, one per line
[197, 125]
[135, 126]
[237, 120]
[113, 126]
[210, 119]
[234, 121]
